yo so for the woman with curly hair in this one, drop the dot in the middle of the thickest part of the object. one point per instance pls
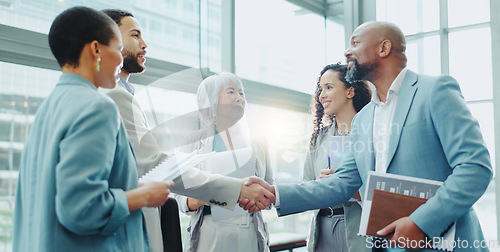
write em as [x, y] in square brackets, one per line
[334, 105]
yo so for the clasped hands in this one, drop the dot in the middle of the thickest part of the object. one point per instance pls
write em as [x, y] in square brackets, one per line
[255, 195]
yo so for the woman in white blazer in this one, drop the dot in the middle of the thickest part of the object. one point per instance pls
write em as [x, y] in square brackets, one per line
[221, 102]
[336, 102]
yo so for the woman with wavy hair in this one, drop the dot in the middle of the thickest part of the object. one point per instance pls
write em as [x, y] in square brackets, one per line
[334, 105]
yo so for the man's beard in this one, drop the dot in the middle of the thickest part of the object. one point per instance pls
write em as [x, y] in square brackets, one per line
[130, 63]
[360, 72]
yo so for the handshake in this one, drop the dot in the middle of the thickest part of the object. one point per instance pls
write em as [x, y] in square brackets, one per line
[256, 194]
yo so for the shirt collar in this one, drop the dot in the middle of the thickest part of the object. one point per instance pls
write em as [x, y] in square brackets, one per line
[127, 85]
[394, 89]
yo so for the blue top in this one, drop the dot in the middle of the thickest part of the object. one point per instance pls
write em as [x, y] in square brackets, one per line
[75, 168]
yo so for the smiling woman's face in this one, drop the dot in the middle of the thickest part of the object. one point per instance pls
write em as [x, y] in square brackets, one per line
[334, 94]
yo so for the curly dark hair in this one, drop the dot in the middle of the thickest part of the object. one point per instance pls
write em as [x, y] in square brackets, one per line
[362, 96]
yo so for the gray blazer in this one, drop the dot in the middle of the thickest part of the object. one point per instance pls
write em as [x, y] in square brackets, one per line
[148, 155]
[203, 141]
[317, 160]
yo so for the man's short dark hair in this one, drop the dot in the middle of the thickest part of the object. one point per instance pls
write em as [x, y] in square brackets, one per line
[117, 15]
[74, 28]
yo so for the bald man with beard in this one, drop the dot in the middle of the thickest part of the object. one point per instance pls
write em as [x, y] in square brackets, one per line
[415, 125]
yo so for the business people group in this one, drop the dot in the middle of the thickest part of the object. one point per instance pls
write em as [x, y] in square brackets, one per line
[416, 125]
[78, 188]
[226, 191]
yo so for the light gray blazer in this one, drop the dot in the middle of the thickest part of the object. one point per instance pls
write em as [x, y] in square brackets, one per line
[148, 155]
[203, 141]
[434, 136]
[317, 160]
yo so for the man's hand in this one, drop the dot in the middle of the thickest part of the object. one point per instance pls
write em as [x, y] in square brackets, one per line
[404, 232]
[256, 194]
[194, 204]
[324, 173]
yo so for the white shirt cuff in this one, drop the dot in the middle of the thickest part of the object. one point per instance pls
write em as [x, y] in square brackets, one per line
[277, 202]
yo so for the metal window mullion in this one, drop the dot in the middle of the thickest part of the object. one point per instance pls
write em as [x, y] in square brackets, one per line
[444, 39]
[228, 36]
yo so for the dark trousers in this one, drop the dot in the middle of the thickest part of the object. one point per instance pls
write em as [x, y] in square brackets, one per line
[171, 226]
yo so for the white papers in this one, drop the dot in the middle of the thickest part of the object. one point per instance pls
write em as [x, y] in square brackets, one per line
[237, 164]
[172, 168]
[411, 186]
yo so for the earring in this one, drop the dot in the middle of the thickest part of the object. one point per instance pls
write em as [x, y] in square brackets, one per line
[99, 64]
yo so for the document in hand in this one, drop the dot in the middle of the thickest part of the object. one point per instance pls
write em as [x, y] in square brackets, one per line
[389, 197]
[238, 163]
[175, 166]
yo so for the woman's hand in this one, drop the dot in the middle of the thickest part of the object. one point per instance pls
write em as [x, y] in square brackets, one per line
[194, 204]
[324, 173]
[152, 194]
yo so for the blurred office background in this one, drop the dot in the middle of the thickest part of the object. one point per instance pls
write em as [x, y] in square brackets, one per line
[277, 47]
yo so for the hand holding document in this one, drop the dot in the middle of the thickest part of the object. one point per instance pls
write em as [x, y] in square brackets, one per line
[390, 199]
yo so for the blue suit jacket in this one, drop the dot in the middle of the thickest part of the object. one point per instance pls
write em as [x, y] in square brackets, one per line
[434, 136]
[75, 168]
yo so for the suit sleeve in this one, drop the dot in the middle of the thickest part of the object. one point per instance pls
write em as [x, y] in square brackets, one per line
[466, 153]
[85, 204]
[210, 187]
[207, 187]
[330, 191]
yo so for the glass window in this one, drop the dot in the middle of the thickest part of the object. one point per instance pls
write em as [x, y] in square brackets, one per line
[284, 46]
[470, 62]
[413, 16]
[465, 12]
[335, 43]
[424, 55]
[164, 43]
[5, 126]
[23, 90]
[287, 133]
